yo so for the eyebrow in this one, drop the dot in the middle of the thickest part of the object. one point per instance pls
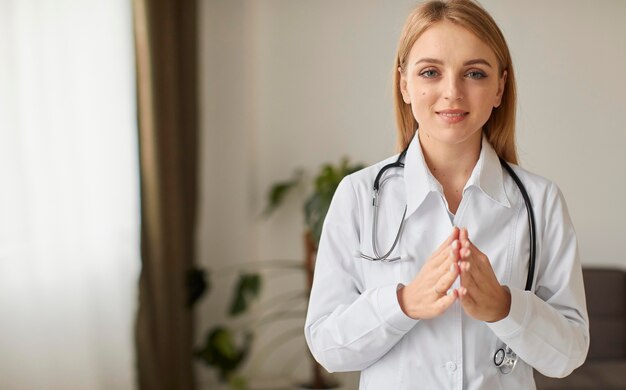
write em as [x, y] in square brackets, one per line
[466, 63]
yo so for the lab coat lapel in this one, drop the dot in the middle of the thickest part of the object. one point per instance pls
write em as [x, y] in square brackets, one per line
[418, 180]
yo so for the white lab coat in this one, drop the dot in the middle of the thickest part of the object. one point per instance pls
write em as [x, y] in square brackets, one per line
[354, 321]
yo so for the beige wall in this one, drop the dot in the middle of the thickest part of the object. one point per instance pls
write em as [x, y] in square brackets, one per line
[296, 83]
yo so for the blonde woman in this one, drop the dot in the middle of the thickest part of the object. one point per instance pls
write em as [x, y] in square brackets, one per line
[433, 271]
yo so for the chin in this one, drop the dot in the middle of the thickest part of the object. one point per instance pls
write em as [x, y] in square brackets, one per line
[452, 135]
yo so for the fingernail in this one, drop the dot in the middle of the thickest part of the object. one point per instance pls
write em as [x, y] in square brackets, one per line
[452, 267]
[450, 292]
[455, 244]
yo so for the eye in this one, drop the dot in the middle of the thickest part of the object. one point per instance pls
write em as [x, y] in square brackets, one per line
[429, 73]
[476, 75]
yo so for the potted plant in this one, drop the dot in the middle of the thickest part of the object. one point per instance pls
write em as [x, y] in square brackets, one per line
[226, 348]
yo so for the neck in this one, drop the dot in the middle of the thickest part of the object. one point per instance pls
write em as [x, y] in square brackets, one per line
[451, 164]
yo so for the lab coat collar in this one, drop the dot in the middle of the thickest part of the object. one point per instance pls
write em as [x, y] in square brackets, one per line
[419, 182]
[488, 175]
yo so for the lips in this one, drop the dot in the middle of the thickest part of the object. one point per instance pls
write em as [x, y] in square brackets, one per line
[452, 116]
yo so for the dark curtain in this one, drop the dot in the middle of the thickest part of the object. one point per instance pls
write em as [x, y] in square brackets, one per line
[166, 53]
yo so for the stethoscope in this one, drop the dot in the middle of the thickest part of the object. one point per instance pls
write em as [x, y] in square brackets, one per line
[504, 358]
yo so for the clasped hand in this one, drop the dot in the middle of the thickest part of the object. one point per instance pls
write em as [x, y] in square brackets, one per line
[430, 293]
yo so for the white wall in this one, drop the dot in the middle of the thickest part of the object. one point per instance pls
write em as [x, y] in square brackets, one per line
[296, 83]
[227, 152]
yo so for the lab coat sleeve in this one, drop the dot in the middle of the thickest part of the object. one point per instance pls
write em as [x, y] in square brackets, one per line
[550, 329]
[349, 327]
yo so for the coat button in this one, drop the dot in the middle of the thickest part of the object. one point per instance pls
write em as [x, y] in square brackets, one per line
[451, 366]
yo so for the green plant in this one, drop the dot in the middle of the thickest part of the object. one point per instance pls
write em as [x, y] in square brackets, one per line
[226, 348]
[318, 201]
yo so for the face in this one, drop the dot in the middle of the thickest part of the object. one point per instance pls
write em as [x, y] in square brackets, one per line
[452, 83]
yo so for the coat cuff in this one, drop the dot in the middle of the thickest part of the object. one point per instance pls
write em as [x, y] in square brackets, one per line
[517, 317]
[390, 311]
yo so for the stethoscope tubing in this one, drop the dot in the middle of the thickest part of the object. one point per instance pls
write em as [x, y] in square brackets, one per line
[386, 257]
[531, 224]
[376, 193]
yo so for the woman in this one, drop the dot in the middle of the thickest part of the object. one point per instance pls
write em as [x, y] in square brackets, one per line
[433, 312]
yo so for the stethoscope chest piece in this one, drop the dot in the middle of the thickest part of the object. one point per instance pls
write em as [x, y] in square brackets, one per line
[505, 359]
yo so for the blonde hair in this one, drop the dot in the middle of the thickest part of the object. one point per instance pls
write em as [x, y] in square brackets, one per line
[500, 127]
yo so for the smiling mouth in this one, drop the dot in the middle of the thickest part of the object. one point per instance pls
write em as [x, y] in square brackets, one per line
[452, 116]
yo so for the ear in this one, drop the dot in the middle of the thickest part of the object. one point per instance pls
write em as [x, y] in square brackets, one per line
[403, 89]
[501, 84]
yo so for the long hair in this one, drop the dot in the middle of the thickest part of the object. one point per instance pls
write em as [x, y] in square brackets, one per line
[500, 127]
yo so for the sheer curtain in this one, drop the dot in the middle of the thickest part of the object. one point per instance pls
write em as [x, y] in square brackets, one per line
[69, 208]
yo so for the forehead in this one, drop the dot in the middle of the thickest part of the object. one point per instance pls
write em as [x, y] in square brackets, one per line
[450, 42]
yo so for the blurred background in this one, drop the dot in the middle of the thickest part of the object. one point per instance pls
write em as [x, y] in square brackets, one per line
[139, 140]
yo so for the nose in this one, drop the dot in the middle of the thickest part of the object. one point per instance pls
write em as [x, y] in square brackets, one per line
[454, 89]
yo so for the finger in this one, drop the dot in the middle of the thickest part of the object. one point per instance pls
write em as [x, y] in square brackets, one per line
[473, 255]
[447, 300]
[455, 247]
[464, 266]
[463, 235]
[467, 295]
[461, 291]
[481, 267]
[454, 235]
[451, 257]
[466, 258]
[442, 260]
[467, 300]
[466, 243]
[447, 279]
[468, 279]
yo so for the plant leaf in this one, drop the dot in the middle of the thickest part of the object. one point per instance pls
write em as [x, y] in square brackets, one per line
[237, 382]
[221, 351]
[326, 183]
[246, 291]
[197, 283]
[224, 344]
[278, 192]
